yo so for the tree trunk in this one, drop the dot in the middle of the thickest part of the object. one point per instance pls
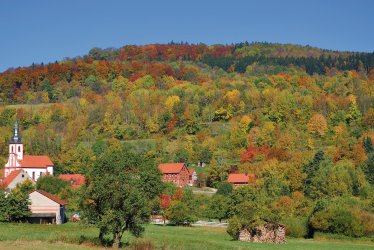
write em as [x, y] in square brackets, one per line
[101, 236]
[117, 239]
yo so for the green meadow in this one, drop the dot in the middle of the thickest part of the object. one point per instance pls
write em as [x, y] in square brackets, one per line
[76, 236]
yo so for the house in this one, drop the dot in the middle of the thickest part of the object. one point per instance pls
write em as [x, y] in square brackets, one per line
[192, 177]
[177, 173]
[241, 179]
[16, 177]
[76, 180]
[34, 165]
[45, 208]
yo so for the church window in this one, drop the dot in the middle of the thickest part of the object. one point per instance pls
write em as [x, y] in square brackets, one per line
[12, 149]
[19, 149]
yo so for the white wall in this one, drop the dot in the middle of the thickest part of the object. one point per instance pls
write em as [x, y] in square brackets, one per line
[38, 172]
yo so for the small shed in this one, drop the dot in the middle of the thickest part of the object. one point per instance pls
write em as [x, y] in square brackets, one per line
[46, 208]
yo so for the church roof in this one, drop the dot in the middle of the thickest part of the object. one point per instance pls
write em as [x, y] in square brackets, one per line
[36, 161]
[171, 168]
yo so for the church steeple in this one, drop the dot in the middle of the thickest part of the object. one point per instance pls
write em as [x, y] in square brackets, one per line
[16, 146]
[16, 138]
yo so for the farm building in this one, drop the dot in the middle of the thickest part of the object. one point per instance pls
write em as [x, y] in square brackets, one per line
[177, 173]
[46, 208]
[241, 179]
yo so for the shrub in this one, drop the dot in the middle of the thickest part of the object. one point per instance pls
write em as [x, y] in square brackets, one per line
[234, 227]
[337, 219]
[296, 226]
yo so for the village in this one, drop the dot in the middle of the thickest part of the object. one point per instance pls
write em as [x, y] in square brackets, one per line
[47, 209]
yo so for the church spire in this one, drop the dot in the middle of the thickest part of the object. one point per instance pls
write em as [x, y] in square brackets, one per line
[16, 138]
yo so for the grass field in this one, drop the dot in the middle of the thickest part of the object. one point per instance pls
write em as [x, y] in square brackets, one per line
[75, 236]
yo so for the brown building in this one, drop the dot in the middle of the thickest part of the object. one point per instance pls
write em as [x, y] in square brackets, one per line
[177, 173]
[241, 179]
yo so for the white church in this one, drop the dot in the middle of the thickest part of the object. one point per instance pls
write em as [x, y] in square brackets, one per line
[34, 166]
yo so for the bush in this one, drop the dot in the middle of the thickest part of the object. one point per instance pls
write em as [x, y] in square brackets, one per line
[224, 188]
[234, 227]
[296, 226]
[337, 219]
[179, 214]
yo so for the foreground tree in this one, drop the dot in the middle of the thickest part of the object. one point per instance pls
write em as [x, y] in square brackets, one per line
[121, 187]
[14, 207]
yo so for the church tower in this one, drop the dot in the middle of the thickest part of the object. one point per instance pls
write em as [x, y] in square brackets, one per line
[15, 145]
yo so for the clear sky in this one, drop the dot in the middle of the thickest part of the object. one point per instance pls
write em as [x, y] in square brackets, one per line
[46, 30]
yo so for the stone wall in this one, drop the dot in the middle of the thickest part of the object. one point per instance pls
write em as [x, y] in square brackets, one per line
[270, 233]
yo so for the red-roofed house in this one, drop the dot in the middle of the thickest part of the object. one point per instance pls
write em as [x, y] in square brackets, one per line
[241, 179]
[35, 166]
[46, 208]
[176, 173]
[76, 180]
[14, 178]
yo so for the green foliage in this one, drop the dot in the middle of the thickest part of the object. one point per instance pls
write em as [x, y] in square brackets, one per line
[51, 184]
[337, 219]
[122, 186]
[218, 207]
[296, 226]
[233, 228]
[14, 207]
[180, 214]
[311, 170]
[224, 188]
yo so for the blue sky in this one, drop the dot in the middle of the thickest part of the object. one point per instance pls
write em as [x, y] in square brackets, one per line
[45, 30]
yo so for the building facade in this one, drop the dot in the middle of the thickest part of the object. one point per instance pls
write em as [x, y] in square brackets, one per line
[177, 173]
[45, 208]
[35, 165]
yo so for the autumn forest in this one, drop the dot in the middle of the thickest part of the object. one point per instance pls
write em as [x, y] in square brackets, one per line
[301, 119]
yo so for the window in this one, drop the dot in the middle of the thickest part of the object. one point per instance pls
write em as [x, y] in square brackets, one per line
[12, 149]
[33, 176]
[19, 149]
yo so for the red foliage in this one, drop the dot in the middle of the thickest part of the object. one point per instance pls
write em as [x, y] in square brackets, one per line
[252, 152]
[165, 201]
[178, 195]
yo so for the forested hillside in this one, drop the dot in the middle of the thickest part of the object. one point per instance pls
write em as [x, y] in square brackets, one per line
[300, 118]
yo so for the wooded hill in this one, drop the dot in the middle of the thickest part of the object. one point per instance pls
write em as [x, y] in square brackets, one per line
[300, 118]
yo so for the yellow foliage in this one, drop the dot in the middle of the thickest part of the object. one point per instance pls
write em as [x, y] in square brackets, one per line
[83, 102]
[317, 125]
[45, 97]
[171, 101]
[233, 97]
[244, 122]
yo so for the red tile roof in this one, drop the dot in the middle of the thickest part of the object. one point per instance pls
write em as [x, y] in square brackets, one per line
[171, 168]
[241, 178]
[50, 196]
[33, 161]
[7, 180]
[76, 180]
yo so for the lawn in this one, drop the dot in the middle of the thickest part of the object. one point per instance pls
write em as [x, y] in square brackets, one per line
[70, 235]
